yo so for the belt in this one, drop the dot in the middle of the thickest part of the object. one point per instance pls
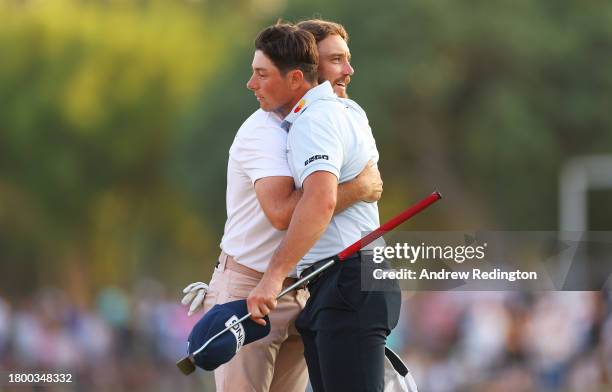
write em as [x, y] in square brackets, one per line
[318, 264]
[229, 262]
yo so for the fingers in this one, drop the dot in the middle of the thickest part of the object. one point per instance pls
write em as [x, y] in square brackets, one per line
[373, 182]
[372, 174]
[265, 309]
[256, 314]
[195, 295]
[188, 297]
[194, 286]
[197, 302]
[259, 313]
[374, 194]
[259, 320]
[262, 299]
[190, 287]
[259, 307]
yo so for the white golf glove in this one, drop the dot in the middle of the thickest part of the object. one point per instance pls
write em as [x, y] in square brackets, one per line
[195, 294]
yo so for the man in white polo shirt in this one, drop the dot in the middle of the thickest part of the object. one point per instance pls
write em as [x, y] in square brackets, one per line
[260, 200]
[344, 329]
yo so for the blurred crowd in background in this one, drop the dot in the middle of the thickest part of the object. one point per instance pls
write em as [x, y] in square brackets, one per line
[508, 341]
[451, 341]
[126, 340]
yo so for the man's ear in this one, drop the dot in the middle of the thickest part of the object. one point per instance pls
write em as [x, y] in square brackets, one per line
[296, 78]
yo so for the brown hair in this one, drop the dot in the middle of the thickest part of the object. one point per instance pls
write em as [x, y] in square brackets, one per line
[290, 48]
[322, 29]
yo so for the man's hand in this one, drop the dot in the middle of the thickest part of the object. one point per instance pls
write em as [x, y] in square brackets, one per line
[195, 294]
[370, 183]
[262, 299]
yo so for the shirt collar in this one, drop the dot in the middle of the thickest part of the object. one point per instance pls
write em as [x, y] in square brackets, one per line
[323, 90]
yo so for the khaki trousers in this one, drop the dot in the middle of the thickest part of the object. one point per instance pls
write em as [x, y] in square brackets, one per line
[275, 363]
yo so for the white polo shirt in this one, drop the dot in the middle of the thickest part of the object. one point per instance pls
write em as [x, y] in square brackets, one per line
[332, 134]
[259, 150]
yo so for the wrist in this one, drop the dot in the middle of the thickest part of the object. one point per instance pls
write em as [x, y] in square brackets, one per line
[360, 188]
[274, 275]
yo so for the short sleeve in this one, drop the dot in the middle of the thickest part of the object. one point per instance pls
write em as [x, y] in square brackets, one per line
[262, 153]
[315, 145]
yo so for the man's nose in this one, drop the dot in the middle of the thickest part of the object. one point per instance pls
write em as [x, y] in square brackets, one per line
[348, 69]
[251, 85]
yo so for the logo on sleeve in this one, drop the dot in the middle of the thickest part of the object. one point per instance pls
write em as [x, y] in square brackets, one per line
[299, 106]
[314, 158]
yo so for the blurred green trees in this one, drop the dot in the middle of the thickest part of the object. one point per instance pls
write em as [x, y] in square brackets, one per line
[483, 100]
[116, 118]
[92, 95]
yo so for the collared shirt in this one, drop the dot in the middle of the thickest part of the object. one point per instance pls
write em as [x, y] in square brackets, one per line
[332, 134]
[258, 151]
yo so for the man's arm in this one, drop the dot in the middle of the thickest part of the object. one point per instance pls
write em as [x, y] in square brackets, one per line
[278, 196]
[312, 214]
[367, 186]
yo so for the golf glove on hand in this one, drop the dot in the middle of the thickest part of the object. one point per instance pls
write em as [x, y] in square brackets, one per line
[195, 294]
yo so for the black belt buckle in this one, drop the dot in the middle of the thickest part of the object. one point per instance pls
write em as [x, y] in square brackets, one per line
[308, 271]
[313, 267]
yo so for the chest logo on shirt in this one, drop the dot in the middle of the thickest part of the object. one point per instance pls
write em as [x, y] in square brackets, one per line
[299, 106]
[314, 158]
